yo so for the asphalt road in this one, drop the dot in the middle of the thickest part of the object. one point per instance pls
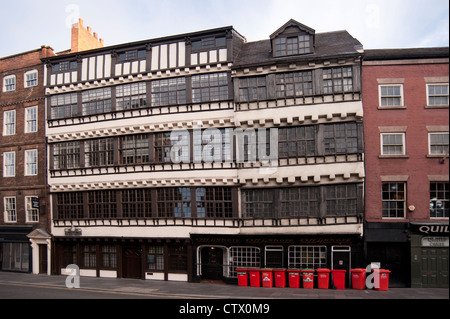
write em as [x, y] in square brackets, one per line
[30, 291]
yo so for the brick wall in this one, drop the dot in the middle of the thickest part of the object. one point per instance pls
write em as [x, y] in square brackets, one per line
[416, 165]
[21, 98]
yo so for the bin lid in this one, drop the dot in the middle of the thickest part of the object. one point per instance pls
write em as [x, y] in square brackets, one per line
[307, 270]
[338, 270]
[294, 270]
[241, 269]
[386, 271]
[278, 269]
[323, 270]
[358, 270]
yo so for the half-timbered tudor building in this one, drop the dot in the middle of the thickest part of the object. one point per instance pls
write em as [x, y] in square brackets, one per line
[184, 157]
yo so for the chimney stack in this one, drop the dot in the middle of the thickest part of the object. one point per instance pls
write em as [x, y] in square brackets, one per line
[83, 39]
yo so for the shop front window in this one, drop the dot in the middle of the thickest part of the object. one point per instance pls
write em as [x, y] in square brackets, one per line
[16, 257]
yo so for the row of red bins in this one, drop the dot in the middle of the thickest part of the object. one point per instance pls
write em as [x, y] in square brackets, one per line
[277, 278]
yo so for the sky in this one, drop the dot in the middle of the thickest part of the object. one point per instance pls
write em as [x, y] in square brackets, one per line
[377, 24]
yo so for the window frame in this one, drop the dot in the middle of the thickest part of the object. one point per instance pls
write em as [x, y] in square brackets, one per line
[99, 152]
[67, 103]
[333, 144]
[30, 112]
[131, 96]
[9, 122]
[304, 257]
[338, 84]
[381, 96]
[9, 83]
[10, 213]
[166, 91]
[203, 92]
[382, 144]
[396, 209]
[444, 201]
[287, 46]
[437, 95]
[69, 152]
[65, 66]
[96, 101]
[430, 153]
[252, 92]
[31, 82]
[31, 168]
[134, 149]
[294, 82]
[9, 168]
[31, 214]
[206, 44]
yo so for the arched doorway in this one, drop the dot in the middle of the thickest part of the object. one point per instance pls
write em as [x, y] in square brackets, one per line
[212, 263]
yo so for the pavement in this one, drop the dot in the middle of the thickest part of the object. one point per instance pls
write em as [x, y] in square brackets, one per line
[213, 290]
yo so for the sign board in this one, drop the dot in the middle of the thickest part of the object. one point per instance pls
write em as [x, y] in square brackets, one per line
[35, 204]
[435, 242]
[72, 231]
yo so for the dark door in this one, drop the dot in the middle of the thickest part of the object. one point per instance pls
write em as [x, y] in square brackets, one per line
[341, 260]
[212, 263]
[132, 262]
[434, 268]
[42, 259]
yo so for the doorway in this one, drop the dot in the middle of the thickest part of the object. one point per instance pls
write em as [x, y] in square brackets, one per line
[132, 262]
[341, 259]
[212, 263]
[42, 259]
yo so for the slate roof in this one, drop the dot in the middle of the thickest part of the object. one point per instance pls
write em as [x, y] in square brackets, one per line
[327, 45]
[415, 53]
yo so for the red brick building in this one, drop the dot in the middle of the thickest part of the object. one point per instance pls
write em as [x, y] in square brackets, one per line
[23, 169]
[406, 123]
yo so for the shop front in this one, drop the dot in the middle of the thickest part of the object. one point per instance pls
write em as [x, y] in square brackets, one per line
[218, 257]
[15, 250]
[429, 255]
[136, 258]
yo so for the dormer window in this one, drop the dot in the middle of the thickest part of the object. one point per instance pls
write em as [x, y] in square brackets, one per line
[293, 38]
[292, 45]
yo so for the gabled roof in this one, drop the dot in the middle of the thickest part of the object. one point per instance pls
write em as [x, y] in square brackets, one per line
[292, 23]
[327, 45]
[39, 233]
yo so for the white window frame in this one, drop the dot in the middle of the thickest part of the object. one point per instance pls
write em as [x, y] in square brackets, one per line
[31, 167]
[428, 94]
[25, 78]
[429, 144]
[393, 133]
[31, 124]
[31, 214]
[10, 215]
[13, 165]
[307, 256]
[9, 120]
[380, 96]
[405, 200]
[5, 85]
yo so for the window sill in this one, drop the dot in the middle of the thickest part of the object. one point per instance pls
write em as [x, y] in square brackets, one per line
[436, 106]
[393, 156]
[400, 107]
[437, 155]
